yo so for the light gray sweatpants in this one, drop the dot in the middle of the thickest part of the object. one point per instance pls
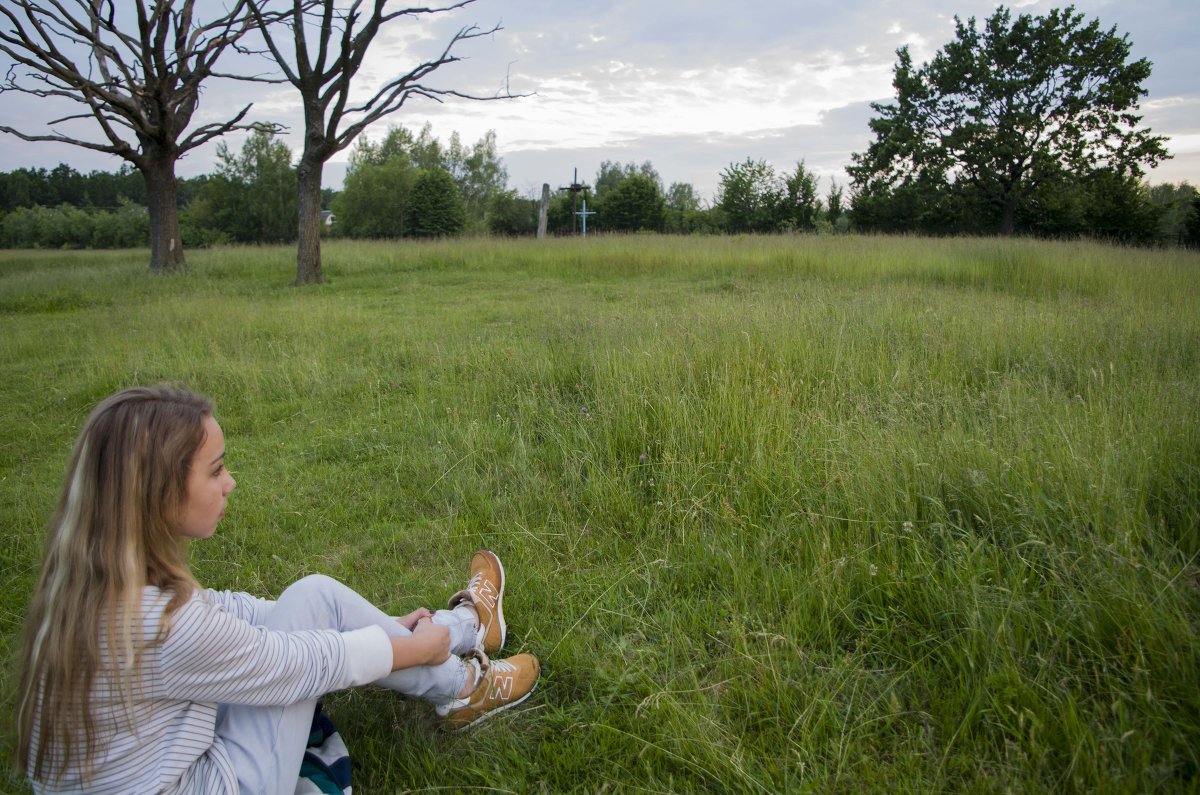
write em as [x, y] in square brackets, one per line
[267, 744]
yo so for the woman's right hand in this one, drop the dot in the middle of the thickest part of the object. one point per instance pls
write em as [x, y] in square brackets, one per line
[429, 644]
[435, 639]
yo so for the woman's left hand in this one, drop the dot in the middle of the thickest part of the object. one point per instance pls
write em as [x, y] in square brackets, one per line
[409, 621]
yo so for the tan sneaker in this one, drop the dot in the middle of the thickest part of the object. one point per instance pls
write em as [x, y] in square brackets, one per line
[502, 684]
[485, 591]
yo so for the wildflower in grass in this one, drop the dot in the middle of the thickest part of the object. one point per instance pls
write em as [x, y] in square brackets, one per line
[874, 570]
[907, 527]
[642, 458]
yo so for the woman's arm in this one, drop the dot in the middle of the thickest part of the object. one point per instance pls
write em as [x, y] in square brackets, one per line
[211, 655]
[243, 605]
[429, 644]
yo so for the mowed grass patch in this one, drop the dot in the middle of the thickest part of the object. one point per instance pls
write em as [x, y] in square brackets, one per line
[778, 514]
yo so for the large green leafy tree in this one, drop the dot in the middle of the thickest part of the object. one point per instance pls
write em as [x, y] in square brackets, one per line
[423, 150]
[373, 204]
[435, 205]
[634, 205]
[1000, 110]
[834, 206]
[750, 196]
[684, 215]
[479, 173]
[252, 197]
[800, 206]
[508, 213]
[611, 173]
[374, 199]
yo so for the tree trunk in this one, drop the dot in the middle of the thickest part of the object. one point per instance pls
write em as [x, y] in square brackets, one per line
[308, 247]
[1008, 215]
[166, 249]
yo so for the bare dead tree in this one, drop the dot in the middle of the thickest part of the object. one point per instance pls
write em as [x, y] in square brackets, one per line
[322, 70]
[137, 73]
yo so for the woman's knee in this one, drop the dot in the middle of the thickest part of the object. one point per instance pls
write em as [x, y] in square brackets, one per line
[313, 586]
[309, 603]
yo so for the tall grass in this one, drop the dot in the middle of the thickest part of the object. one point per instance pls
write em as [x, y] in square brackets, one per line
[779, 514]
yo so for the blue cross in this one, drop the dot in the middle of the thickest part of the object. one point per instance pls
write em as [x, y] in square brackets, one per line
[585, 213]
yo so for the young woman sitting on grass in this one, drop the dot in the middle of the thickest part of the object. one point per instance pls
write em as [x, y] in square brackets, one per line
[136, 679]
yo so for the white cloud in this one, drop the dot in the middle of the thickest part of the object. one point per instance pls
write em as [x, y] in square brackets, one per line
[690, 85]
[1186, 144]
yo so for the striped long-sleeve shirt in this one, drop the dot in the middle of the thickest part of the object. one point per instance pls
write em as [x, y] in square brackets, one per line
[217, 652]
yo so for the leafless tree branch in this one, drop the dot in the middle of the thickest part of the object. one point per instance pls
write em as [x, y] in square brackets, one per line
[322, 71]
[147, 82]
[136, 69]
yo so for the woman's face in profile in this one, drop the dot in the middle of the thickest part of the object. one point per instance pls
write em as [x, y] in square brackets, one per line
[208, 485]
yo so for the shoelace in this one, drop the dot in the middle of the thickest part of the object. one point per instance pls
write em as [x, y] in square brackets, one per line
[482, 659]
[472, 584]
[504, 666]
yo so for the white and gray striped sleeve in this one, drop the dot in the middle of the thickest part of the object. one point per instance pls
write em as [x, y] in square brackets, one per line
[215, 656]
[242, 605]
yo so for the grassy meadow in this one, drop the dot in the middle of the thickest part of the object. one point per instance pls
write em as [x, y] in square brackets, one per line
[784, 514]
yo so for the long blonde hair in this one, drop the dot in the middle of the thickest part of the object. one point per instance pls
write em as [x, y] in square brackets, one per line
[112, 534]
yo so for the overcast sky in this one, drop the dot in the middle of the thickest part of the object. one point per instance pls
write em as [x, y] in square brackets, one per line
[690, 86]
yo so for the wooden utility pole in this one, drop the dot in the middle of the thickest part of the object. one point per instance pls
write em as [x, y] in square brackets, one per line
[576, 188]
[543, 210]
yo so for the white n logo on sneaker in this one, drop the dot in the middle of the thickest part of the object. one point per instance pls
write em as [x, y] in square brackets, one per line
[486, 593]
[501, 689]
